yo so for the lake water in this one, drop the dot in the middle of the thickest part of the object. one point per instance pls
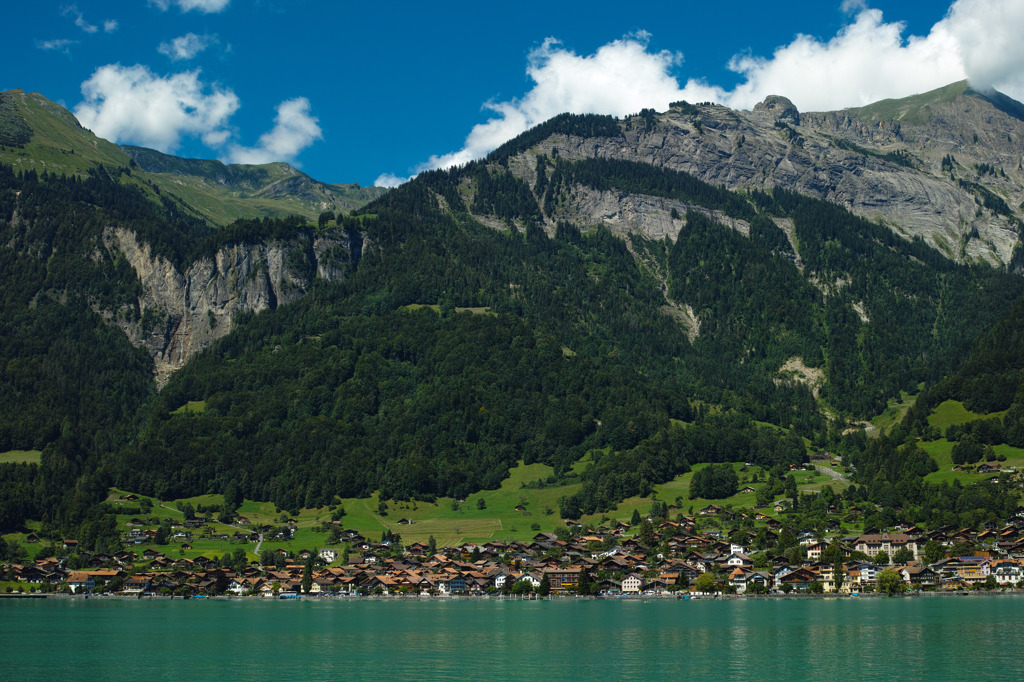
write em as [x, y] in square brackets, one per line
[977, 637]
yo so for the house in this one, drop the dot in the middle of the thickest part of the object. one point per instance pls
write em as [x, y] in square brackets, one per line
[632, 584]
[1008, 573]
[738, 559]
[328, 555]
[532, 578]
[563, 579]
[919, 575]
[738, 579]
[799, 578]
[748, 489]
[711, 510]
[815, 549]
[890, 543]
[136, 585]
[500, 578]
[81, 581]
[861, 573]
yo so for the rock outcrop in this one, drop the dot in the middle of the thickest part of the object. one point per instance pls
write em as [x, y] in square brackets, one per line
[184, 312]
[946, 166]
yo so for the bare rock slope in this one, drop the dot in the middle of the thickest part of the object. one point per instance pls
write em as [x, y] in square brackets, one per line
[945, 166]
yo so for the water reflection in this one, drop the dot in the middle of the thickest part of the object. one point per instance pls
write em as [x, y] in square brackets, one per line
[919, 638]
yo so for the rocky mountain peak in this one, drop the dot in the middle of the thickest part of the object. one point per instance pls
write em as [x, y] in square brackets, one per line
[946, 166]
[779, 108]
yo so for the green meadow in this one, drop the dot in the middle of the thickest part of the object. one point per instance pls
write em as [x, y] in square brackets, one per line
[953, 412]
[20, 457]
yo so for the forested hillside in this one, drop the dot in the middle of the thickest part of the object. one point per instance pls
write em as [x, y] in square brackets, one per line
[484, 317]
[357, 388]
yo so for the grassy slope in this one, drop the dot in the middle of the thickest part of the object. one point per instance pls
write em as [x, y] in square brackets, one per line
[498, 521]
[60, 145]
[941, 451]
[894, 412]
[20, 457]
[915, 109]
[954, 412]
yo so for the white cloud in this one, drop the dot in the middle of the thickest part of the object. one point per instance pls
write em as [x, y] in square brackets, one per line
[988, 35]
[131, 104]
[186, 46]
[110, 25]
[622, 77]
[294, 130]
[389, 180]
[204, 6]
[867, 60]
[80, 22]
[59, 44]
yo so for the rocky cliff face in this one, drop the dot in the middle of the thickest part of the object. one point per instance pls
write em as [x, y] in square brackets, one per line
[184, 312]
[945, 166]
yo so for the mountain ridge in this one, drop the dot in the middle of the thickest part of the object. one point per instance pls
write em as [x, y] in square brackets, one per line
[931, 179]
[46, 136]
[615, 309]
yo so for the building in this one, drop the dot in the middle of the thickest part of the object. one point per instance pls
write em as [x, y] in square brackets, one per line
[890, 543]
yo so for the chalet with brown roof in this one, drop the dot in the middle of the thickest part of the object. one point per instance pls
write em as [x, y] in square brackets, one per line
[563, 579]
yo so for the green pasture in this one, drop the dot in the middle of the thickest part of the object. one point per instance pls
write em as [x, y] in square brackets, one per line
[191, 407]
[479, 310]
[942, 452]
[954, 412]
[20, 457]
[452, 522]
[894, 412]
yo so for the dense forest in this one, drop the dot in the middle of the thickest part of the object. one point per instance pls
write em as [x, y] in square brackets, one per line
[455, 350]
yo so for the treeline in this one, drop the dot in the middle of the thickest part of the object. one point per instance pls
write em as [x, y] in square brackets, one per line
[576, 125]
[70, 380]
[641, 178]
[410, 403]
[613, 476]
[754, 308]
[502, 194]
[890, 471]
[344, 392]
[922, 310]
[990, 380]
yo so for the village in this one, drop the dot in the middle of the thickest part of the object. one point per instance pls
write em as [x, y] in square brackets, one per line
[671, 559]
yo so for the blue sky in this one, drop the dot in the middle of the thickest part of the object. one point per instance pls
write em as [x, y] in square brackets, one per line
[376, 92]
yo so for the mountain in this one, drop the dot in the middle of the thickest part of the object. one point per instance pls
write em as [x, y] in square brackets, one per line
[37, 133]
[618, 299]
[944, 166]
[224, 193]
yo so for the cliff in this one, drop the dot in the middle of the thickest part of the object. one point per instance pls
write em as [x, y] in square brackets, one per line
[944, 166]
[184, 312]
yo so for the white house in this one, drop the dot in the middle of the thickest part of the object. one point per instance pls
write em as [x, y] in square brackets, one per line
[632, 584]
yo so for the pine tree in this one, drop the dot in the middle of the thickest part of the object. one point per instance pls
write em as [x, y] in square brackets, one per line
[307, 575]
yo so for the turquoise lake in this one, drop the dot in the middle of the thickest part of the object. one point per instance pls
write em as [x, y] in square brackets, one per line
[948, 637]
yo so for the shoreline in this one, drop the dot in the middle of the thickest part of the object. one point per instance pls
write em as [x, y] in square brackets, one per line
[499, 597]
